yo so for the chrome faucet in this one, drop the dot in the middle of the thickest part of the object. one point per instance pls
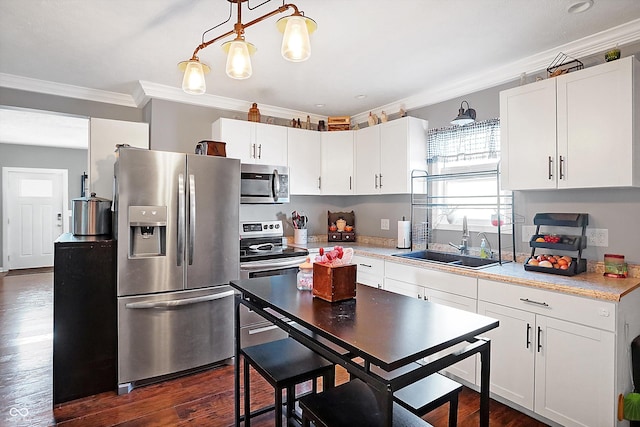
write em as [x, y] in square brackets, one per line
[464, 244]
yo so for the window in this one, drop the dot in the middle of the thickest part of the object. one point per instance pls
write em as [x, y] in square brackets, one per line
[459, 150]
[36, 188]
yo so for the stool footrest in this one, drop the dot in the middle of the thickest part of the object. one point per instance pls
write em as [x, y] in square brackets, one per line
[352, 404]
[427, 394]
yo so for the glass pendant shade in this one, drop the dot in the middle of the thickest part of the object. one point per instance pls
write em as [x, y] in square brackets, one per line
[239, 58]
[193, 81]
[296, 46]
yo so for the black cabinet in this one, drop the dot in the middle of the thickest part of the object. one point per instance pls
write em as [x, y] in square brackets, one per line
[84, 317]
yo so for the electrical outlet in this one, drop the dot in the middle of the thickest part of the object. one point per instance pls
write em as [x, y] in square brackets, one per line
[597, 237]
[384, 224]
[527, 232]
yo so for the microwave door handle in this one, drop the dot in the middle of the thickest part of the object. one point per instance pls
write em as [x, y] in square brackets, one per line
[181, 219]
[192, 216]
[276, 185]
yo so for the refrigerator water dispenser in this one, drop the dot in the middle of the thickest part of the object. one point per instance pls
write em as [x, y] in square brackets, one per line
[147, 231]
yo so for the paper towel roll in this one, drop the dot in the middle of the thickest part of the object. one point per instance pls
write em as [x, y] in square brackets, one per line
[404, 234]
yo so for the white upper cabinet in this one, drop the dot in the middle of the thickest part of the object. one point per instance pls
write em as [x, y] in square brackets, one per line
[305, 161]
[252, 142]
[597, 136]
[386, 154]
[337, 163]
[528, 136]
[368, 160]
[578, 130]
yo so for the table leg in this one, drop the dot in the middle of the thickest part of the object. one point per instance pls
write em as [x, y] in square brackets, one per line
[236, 370]
[485, 361]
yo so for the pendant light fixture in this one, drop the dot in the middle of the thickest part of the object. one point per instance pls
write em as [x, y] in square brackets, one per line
[296, 46]
[464, 116]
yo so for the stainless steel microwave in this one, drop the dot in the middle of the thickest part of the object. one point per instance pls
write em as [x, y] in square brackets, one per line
[264, 184]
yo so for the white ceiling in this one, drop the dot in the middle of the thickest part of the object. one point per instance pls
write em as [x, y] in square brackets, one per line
[396, 52]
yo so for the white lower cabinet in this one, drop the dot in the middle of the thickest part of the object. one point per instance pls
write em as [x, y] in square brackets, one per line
[370, 270]
[512, 353]
[553, 353]
[441, 288]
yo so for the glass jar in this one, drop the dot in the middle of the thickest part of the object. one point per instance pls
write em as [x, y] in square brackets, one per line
[614, 266]
[305, 276]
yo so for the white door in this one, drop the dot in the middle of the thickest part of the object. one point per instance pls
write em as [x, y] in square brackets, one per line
[35, 215]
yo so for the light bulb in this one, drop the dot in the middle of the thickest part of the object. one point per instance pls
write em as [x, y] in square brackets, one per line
[193, 81]
[296, 46]
[238, 59]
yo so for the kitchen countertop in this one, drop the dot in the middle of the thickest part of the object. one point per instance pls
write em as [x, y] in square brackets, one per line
[590, 285]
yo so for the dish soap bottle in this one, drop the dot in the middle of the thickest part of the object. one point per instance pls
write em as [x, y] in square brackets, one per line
[483, 249]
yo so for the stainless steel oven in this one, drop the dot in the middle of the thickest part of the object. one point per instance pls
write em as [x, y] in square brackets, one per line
[263, 253]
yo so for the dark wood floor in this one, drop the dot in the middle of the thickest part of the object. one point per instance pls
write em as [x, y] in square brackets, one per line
[203, 399]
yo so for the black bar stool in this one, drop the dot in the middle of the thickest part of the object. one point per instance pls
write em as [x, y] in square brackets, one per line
[426, 394]
[352, 404]
[284, 363]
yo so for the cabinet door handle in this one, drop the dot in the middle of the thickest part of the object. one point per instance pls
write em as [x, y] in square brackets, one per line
[550, 167]
[253, 150]
[376, 180]
[350, 188]
[260, 151]
[380, 180]
[379, 286]
[319, 182]
[544, 304]
[539, 341]
[365, 265]
[528, 335]
[561, 175]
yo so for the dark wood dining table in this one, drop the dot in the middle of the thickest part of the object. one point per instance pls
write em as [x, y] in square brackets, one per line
[382, 328]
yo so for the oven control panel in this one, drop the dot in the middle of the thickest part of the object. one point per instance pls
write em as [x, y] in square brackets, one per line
[261, 229]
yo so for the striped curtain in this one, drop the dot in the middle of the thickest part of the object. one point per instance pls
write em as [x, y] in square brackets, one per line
[480, 140]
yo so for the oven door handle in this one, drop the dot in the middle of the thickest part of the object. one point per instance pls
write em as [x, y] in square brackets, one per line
[179, 302]
[271, 265]
[262, 247]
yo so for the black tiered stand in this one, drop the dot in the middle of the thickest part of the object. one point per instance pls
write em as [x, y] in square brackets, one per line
[566, 243]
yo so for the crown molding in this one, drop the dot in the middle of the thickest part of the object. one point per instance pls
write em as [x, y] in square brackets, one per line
[149, 90]
[145, 91]
[590, 45]
[68, 91]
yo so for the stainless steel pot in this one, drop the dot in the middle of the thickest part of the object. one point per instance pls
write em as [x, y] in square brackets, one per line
[91, 216]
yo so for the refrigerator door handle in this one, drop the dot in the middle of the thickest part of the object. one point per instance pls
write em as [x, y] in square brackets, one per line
[179, 302]
[181, 219]
[192, 216]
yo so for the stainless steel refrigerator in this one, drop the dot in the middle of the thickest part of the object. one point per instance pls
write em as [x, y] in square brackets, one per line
[176, 225]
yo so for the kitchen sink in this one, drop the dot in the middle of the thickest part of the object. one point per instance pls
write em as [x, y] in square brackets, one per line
[450, 258]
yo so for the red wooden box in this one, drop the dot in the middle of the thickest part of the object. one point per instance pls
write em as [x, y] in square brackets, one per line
[334, 283]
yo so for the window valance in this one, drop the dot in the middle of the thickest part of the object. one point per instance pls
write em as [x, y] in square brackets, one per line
[480, 140]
